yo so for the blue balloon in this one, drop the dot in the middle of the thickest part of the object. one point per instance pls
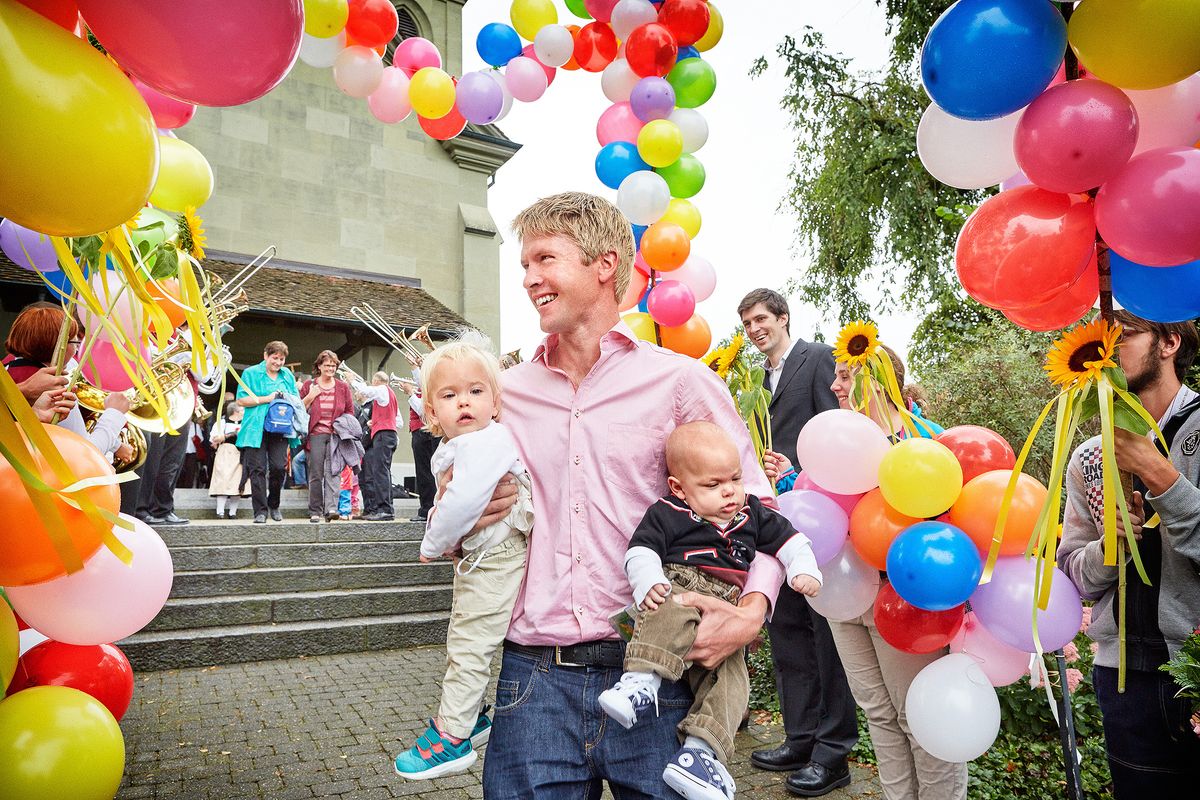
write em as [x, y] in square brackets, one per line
[638, 230]
[498, 43]
[934, 566]
[983, 59]
[687, 52]
[1159, 294]
[642, 303]
[60, 285]
[616, 161]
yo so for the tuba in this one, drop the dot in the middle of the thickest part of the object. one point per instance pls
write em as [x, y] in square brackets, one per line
[177, 391]
[129, 435]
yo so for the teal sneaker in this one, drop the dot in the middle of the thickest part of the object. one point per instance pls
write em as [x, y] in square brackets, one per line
[483, 729]
[434, 756]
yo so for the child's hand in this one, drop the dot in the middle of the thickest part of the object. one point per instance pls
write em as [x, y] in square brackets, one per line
[656, 596]
[806, 585]
[425, 560]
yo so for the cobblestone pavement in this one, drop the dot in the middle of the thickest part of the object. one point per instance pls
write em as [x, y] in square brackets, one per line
[325, 726]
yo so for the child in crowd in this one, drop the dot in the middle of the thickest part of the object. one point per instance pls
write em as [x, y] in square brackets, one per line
[461, 388]
[699, 538]
[228, 484]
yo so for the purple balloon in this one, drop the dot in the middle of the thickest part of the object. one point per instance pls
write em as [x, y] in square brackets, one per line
[28, 249]
[651, 99]
[1005, 607]
[480, 99]
[819, 518]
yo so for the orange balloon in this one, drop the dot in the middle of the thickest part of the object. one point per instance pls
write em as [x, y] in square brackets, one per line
[638, 281]
[692, 338]
[874, 525]
[978, 506]
[174, 311]
[572, 64]
[665, 246]
[26, 554]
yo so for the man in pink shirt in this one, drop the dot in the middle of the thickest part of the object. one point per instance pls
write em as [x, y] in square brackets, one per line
[591, 412]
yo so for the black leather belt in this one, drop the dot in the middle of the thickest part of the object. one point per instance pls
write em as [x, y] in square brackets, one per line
[608, 653]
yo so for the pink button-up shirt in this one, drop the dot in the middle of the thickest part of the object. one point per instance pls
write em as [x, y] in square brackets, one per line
[596, 455]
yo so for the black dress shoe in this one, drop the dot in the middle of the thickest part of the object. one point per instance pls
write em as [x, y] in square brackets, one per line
[276, 515]
[784, 758]
[815, 780]
[172, 519]
[379, 516]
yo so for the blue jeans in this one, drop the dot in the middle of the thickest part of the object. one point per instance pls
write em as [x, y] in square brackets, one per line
[552, 741]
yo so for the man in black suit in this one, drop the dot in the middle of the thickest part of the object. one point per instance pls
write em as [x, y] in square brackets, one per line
[818, 709]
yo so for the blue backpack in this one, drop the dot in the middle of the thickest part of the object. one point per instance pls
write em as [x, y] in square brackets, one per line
[280, 418]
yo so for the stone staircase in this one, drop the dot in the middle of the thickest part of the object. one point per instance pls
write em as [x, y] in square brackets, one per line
[246, 592]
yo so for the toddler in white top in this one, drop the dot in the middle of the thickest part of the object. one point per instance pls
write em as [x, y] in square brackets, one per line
[461, 389]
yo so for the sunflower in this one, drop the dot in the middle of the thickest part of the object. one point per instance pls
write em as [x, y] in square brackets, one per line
[1083, 353]
[721, 360]
[191, 235]
[856, 343]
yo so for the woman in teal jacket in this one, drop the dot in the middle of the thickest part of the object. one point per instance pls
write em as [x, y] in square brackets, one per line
[264, 455]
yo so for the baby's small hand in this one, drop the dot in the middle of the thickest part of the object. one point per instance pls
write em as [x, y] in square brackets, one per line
[426, 560]
[806, 585]
[656, 596]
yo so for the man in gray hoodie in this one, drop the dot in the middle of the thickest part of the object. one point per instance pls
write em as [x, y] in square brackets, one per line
[1152, 750]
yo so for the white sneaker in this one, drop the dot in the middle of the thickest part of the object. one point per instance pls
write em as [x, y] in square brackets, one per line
[633, 694]
[698, 775]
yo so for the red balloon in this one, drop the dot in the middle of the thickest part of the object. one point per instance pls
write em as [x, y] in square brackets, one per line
[595, 46]
[601, 10]
[100, 670]
[651, 50]
[446, 127]
[911, 629]
[978, 449]
[1064, 309]
[372, 23]
[1025, 246]
[687, 19]
[527, 51]
[63, 13]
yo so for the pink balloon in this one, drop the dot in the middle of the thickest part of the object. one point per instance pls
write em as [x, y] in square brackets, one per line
[102, 368]
[818, 517]
[1150, 212]
[671, 303]
[105, 601]
[414, 54]
[841, 451]
[168, 112]
[618, 123]
[120, 306]
[528, 52]
[389, 103]
[1168, 117]
[526, 79]
[601, 10]
[1075, 136]
[209, 52]
[698, 275]
[1001, 664]
[846, 501]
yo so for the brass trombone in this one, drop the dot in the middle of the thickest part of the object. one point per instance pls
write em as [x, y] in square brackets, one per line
[395, 339]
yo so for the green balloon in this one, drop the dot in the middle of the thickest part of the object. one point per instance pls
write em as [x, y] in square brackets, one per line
[578, 9]
[694, 82]
[685, 178]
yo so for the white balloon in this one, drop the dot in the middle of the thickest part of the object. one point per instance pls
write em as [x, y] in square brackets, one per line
[630, 14]
[849, 587]
[841, 451]
[29, 639]
[321, 53]
[693, 126]
[643, 197]
[553, 45]
[526, 79]
[617, 80]
[1168, 116]
[358, 70]
[967, 154]
[498, 77]
[952, 709]
[698, 275]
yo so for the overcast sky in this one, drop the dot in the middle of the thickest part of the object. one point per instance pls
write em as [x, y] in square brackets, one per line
[747, 158]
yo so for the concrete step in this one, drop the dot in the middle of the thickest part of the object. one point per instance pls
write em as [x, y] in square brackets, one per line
[242, 531]
[181, 613]
[266, 580]
[191, 558]
[157, 649]
[293, 504]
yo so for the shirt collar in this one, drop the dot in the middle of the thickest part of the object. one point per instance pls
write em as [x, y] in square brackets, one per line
[782, 358]
[618, 335]
[1182, 398]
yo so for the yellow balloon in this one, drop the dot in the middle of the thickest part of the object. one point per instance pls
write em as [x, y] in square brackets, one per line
[325, 18]
[10, 645]
[530, 16]
[79, 145]
[716, 28]
[431, 92]
[184, 176]
[57, 742]
[641, 324]
[660, 143]
[684, 214]
[920, 478]
[1137, 44]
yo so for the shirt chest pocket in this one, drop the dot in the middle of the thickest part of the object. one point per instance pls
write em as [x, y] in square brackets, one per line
[635, 459]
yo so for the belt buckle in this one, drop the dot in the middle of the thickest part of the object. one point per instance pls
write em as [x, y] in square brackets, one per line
[558, 659]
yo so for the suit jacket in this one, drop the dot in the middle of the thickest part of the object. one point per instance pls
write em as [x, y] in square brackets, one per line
[802, 393]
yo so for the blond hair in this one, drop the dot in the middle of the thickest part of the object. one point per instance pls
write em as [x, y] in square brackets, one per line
[595, 225]
[468, 345]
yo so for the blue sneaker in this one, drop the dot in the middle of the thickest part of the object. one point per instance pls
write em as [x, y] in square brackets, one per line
[434, 756]
[483, 729]
[698, 775]
[634, 693]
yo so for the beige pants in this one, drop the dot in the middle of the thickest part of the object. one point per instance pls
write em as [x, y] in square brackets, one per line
[479, 617]
[879, 677]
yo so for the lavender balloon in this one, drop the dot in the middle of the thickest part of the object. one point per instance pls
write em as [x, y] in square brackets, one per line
[819, 518]
[479, 98]
[1005, 606]
[28, 249]
[652, 98]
